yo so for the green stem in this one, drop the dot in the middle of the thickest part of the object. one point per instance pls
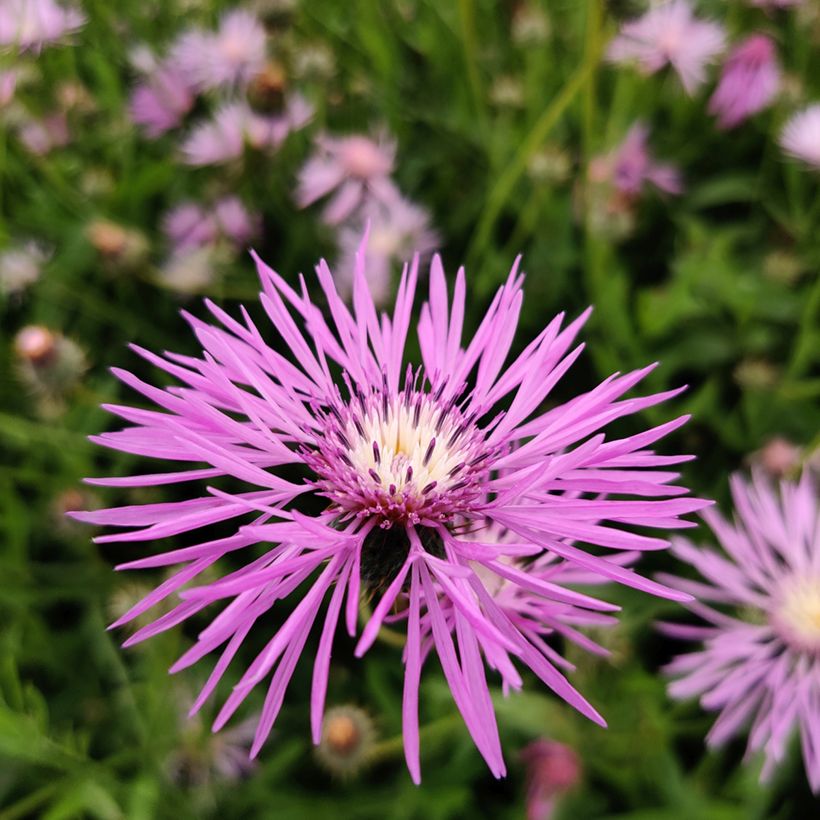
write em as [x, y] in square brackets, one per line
[466, 16]
[386, 635]
[498, 196]
[395, 745]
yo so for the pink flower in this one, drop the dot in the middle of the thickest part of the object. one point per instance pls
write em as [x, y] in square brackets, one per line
[396, 229]
[188, 226]
[235, 126]
[404, 458]
[749, 82]
[800, 137]
[353, 167]
[235, 222]
[8, 85]
[43, 135]
[760, 658]
[161, 102]
[31, 24]
[630, 167]
[670, 34]
[552, 769]
[230, 56]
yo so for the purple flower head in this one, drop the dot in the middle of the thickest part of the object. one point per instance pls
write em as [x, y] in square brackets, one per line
[231, 56]
[161, 102]
[670, 34]
[760, 661]
[235, 126]
[349, 168]
[188, 226]
[630, 167]
[31, 24]
[552, 769]
[397, 228]
[749, 82]
[235, 221]
[406, 458]
[800, 137]
[41, 136]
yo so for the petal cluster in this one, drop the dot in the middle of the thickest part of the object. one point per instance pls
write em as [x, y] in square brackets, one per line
[334, 461]
[760, 599]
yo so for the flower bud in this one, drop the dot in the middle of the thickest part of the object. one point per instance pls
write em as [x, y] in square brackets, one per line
[348, 737]
[552, 769]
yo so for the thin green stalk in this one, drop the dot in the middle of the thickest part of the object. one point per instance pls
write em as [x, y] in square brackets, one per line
[395, 745]
[466, 17]
[500, 193]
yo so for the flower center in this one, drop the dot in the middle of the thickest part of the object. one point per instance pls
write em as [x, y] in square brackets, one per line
[403, 458]
[797, 614]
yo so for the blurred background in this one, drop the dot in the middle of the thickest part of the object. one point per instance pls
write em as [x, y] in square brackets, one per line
[145, 146]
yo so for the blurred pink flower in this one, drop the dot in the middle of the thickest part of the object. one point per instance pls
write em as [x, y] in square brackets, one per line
[749, 82]
[630, 166]
[670, 34]
[759, 661]
[397, 230]
[8, 85]
[235, 125]
[800, 137]
[31, 24]
[778, 457]
[552, 769]
[162, 100]
[43, 135]
[235, 221]
[352, 167]
[230, 56]
[188, 226]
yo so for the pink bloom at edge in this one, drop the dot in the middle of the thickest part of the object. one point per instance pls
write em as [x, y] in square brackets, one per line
[749, 83]
[670, 34]
[407, 458]
[31, 24]
[759, 662]
[161, 102]
[800, 137]
[552, 769]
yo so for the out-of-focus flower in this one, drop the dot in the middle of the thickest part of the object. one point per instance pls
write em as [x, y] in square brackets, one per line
[8, 85]
[749, 82]
[70, 500]
[800, 137]
[266, 91]
[552, 769]
[630, 167]
[20, 266]
[31, 24]
[49, 365]
[756, 374]
[398, 228]
[41, 136]
[347, 741]
[235, 221]
[760, 662]
[235, 125]
[192, 270]
[120, 247]
[231, 56]
[351, 168]
[314, 61]
[74, 96]
[530, 25]
[161, 101]
[190, 225]
[550, 165]
[779, 457]
[404, 460]
[783, 266]
[507, 92]
[670, 34]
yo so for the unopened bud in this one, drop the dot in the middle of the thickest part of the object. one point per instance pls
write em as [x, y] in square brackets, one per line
[552, 769]
[266, 92]
[348, 738]
[119, 247]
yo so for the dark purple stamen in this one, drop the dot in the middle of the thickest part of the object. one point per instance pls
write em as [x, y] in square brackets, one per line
[409, 476]
[392, 489]
[431, 486]
[375, 476]
[430, 448]
[376, 454]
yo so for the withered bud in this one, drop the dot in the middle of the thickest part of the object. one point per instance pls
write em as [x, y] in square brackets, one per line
[348, 738]
[266, 92]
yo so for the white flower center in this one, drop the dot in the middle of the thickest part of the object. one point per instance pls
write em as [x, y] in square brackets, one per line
[797, 615]
[410, 444]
